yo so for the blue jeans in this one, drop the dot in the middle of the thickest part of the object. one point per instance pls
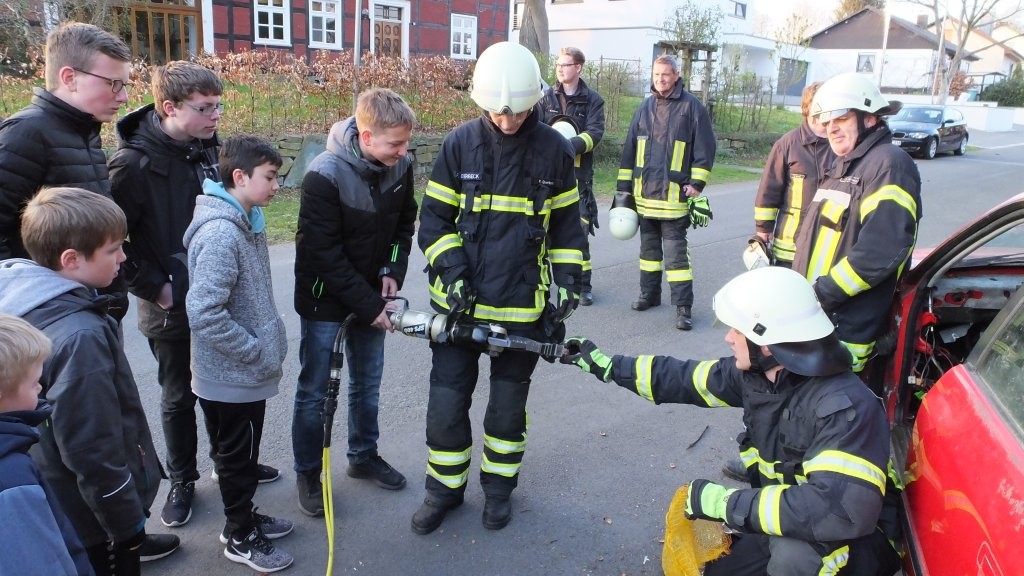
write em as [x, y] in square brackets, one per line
[364, 355]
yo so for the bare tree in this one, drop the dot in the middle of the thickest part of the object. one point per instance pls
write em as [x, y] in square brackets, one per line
[966, 16]
[848, 8]
[534, 32]
[690, 23]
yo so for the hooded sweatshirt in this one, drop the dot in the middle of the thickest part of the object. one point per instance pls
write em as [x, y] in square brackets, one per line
[38, 537]
[96, 451]
[238, 337]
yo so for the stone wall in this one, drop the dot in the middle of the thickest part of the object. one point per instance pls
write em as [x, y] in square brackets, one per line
[298, 151]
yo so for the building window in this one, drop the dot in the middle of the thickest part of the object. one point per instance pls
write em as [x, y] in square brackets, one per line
[517, 14]
[463, 37]
[325, 24]
[272, 22]
[739, 10]
[866, 63]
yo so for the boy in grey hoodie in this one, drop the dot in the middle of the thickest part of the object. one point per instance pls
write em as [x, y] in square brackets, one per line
[238, 338]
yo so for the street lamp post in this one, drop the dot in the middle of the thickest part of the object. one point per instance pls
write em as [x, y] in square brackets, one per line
[885, 42]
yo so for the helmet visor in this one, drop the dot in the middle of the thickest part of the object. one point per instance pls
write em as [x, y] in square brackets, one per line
[823, 117]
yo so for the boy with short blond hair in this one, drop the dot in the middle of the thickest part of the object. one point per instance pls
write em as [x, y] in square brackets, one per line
[357, 215]
[238, 339]
[38, 537]
[166, 150]
[97, 452]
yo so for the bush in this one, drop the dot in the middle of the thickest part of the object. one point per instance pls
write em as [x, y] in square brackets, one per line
[1007, 93]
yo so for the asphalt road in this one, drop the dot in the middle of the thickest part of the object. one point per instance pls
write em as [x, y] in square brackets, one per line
[602, 464]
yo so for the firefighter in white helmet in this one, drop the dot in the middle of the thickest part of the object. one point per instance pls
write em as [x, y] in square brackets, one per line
[821, 501]
[499, 222]
[857, 234]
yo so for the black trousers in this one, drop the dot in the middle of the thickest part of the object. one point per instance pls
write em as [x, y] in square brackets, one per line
[108, 559]
[453, 379]
[177, 407]
[235, 432]
[663, 247]
[758, 555]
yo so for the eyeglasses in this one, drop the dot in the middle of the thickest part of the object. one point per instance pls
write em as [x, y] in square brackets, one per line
[206, 109]
[116, 84]
[560, 65]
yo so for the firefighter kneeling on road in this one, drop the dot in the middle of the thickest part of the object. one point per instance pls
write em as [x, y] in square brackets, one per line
[500, 221]
[822, 502]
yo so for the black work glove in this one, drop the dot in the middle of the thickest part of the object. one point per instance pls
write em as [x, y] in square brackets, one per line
[460, 297]
[568, 301]
[707, 500]
[700, 211]
[583, 353]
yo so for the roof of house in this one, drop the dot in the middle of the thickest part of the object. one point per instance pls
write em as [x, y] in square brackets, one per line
[863, 30]
[1008, 51]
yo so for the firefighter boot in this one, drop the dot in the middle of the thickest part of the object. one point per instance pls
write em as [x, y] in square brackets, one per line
[430, 515]
[497, 512]
[683, 319]
[646, 301]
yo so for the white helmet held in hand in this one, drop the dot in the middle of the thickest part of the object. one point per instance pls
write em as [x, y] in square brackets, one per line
[623, 221]
[565, 126]
[776, 307]
[757, 254]
[506, 79]
[850, 91]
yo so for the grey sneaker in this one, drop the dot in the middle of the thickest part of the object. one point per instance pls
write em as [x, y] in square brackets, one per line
[256, 552]
[311, 498]
[178, 508]
[272, 528]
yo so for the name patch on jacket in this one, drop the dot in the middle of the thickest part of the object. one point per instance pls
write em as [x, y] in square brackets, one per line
[469, 176]
[850, 180]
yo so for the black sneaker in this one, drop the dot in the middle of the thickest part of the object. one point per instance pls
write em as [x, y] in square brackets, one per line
[272, 528]
[376, 469]
[178, 508]
[256, 552]
[156, 546]
[311, 497]
[263, 472]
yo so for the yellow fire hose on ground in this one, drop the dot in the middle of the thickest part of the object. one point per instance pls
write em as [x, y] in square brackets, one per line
[689, 544]
[330, 406]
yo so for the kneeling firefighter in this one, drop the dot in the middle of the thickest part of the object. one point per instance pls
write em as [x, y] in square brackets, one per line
[818, 442]
[500, 222]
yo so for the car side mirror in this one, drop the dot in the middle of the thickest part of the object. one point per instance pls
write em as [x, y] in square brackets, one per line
[948, 121]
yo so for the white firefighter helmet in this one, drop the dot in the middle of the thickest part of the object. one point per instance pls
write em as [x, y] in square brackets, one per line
[776, 307]
[565, 126]
[850, 91]
[506, 79]
[757, 254]
[623, 221]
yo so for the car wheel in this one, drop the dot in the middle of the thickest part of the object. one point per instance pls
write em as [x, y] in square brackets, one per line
[962, 149]
[930, 148]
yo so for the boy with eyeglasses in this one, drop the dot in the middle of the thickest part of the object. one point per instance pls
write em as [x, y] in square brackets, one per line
[55, 140]
[166, 150]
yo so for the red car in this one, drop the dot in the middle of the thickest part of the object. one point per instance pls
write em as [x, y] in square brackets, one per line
[954, 392]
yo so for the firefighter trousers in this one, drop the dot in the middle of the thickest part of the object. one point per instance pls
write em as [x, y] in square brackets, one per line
[663, 247]
[759, 554]
[453, 378]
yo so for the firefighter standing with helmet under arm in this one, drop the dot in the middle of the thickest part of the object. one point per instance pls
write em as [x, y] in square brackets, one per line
[819, 440]
[857, 235]
[499, 223]
[571, 97]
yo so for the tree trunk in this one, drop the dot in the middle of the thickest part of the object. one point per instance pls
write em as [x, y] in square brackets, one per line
[534, 32]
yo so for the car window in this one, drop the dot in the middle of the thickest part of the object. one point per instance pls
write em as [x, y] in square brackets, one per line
[1006, 248]
[1001, 361]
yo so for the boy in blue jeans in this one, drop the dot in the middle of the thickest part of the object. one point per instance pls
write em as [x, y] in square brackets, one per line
[97, 452]
[38, 538]
[238, 339]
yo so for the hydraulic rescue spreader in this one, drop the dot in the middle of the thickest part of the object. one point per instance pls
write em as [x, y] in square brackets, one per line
[459, 331]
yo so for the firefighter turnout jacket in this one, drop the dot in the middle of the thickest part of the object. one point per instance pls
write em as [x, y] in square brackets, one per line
[502, 212]
[670, 143]
[794, 167]
[586, 108]
[820, 444]
[857, 236]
